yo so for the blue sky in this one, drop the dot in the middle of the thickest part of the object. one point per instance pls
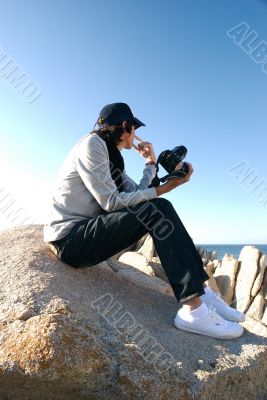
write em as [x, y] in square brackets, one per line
[174, 64]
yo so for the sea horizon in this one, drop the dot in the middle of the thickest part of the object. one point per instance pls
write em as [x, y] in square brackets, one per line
[234, 249]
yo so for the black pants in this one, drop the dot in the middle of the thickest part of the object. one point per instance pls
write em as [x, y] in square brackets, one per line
[94, 240]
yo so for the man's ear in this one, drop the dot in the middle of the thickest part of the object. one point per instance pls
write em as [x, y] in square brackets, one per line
[125, 125]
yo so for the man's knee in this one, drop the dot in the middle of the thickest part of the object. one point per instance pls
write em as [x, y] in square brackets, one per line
[157, 217]
[162, 203]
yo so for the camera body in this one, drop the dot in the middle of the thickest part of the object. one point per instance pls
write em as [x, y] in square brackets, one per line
[169, 159]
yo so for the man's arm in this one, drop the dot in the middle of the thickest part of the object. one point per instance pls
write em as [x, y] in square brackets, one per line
[130, 185]
[92, 164]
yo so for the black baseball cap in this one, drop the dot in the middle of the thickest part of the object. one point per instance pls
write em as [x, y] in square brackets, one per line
[115, 114]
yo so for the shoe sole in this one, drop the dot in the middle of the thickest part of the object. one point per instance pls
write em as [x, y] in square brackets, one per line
[233, 320]
[200, 332]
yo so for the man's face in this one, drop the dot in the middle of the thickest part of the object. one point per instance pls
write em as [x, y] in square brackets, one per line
[129, 138]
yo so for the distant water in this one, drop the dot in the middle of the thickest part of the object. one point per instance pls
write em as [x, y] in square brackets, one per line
[234, 249]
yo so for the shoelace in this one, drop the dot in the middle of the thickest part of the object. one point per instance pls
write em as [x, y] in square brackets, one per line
[220, 299]
[214, 314]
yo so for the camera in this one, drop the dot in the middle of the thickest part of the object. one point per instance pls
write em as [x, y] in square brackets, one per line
[169, 159]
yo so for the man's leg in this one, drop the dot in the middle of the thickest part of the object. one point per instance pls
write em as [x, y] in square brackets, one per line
[98, 239]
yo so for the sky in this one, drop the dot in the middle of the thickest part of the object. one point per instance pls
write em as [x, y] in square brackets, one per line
[192, 70]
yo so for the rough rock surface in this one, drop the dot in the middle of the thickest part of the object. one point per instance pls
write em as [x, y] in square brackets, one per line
[225, 275]
[211, 282]
[260, 274]
[247, 276]
[137, 260]
[88, 333]
[258, 307]
[140, 278]
[158, 269]
[147, 248]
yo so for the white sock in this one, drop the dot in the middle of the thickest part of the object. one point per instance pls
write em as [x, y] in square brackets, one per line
[190, 315]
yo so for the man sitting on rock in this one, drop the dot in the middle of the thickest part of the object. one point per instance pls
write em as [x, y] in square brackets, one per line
[97, 211]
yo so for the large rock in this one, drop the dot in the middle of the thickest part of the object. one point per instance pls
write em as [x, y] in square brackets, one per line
[86, 334]
[158, 269]
[260, 274]
[209, 268]
[257, 306]
[140, 278]
[247, 274]
[264, 317]
[147, 248]
[211, 282]
[137, 260]
[225, 275]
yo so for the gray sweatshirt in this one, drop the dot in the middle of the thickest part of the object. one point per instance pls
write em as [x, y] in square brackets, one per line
[84, 188]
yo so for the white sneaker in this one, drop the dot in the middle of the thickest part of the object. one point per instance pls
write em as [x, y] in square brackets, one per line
[214, 300]
[210, 324]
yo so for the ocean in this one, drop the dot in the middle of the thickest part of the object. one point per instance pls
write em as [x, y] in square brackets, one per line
[233, 249]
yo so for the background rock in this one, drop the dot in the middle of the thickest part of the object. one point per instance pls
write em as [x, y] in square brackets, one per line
[256, 308]
[260, 274]
[225, 275]
[211, 282]
[209, 268]
[206, 255]
[147, 248]
[137, 260]
[88, 333]
[158, 269]
[246, 276]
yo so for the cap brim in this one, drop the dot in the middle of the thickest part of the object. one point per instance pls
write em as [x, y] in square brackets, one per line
[138, 123]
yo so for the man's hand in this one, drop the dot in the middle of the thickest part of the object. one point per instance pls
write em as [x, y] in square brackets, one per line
[172, 183]
[145, 149]
[190, 172]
